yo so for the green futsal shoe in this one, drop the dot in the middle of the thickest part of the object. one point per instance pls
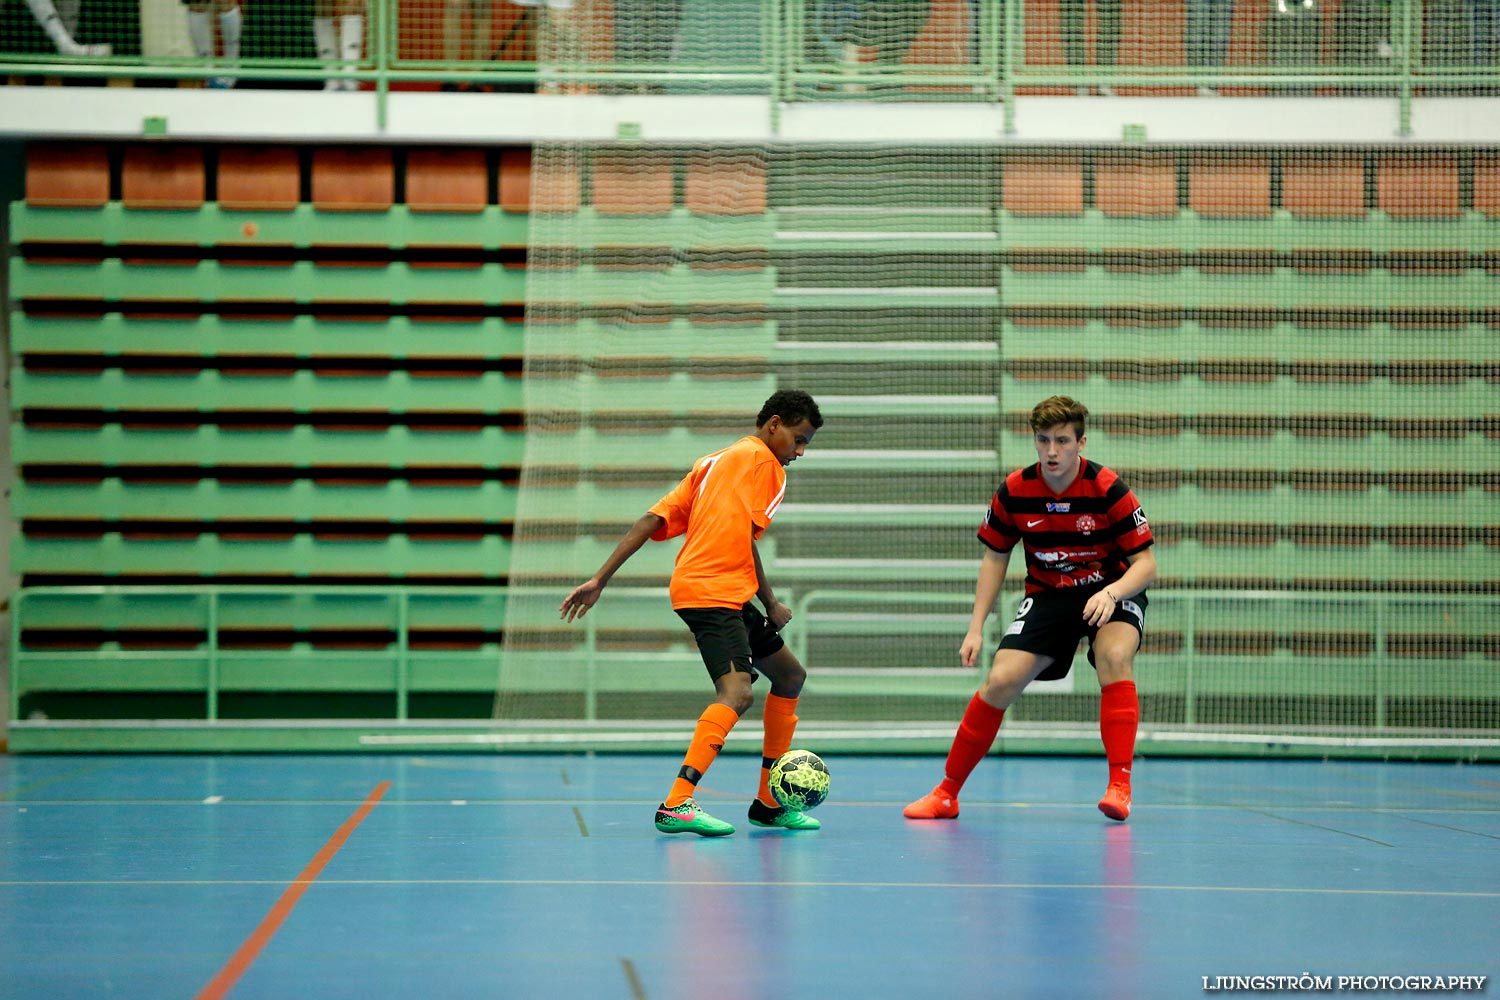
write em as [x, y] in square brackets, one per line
[688, 818]
[780, 818]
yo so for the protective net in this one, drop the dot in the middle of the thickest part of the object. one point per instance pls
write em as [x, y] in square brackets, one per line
[213, 41]
[1288, 354]
[830, 50]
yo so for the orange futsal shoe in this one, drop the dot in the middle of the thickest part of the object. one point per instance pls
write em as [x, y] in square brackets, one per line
[1116, 801]
[936, 804]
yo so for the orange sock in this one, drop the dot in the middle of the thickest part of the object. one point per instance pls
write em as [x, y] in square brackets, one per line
[708, 739]
[1119, 717]
[780, 721]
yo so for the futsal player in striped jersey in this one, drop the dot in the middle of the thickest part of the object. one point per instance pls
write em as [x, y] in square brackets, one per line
[722, 506]
[1088, 559]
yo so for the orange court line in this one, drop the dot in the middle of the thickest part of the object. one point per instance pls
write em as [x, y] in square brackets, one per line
[220, 985]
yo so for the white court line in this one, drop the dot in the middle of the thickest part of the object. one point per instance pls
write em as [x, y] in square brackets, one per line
[831, 235]
[764, 883]
[940, 732]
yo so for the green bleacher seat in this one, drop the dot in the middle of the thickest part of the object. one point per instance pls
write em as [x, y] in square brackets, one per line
[118, 439]
[208, 336]
[272, 553]
[115, 391]
[116, 281]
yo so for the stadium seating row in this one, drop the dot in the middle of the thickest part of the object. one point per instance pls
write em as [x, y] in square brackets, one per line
[1130, 184]
[332, 395]
[279, 178]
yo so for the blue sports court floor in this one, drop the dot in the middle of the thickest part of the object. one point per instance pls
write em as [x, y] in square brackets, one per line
[530, 876]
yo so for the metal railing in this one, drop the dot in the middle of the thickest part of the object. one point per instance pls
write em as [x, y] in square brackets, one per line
[1374, 614]
[794, 59]
[200, 611]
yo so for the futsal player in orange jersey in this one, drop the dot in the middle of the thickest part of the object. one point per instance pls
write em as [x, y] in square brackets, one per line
[722, 506]
[1088, 563]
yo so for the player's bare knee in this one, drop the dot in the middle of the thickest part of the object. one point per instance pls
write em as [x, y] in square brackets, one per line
[734, 690]
[785, 672]
[1000, 688]
[1114, 665]
[789, 680]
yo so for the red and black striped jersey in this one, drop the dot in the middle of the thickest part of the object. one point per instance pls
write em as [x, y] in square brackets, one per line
[1078, 538]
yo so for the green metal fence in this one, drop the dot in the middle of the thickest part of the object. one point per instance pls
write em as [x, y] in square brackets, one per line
[806, 50]
[362, 659]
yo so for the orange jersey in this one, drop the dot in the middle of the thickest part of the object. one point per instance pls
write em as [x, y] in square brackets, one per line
[722, 506]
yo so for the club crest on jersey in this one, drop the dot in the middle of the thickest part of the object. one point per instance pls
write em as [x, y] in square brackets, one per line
[1059, 508]
[1086, 524]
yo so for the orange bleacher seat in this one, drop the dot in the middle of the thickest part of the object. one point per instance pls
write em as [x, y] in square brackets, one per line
[1418, 186]
[525, 185]
[1043, 42]
[1487, 186]
[1043, 185]
[353, 179]
[162, 176]
[447, 180]
[67, 175]
[259, 178]
[632, 184]
[1136, 185]
[1221, 186]
[1151, 35]
[515, 180]
[944, 40]
[1324, 186]
[725, 184]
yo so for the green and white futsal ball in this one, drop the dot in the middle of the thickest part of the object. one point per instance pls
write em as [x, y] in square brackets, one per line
[799, 780]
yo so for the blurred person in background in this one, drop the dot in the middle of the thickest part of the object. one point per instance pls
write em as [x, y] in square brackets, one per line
[201, 33]
[1209, 24]
[1106, 36]
[339, 33]
[60, 21]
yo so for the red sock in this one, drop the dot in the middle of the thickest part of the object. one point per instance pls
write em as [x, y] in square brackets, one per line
[1119, 717]
[975, 736]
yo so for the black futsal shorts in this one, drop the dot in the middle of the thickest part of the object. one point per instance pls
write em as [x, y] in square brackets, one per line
[1051, 624]
[732, 640]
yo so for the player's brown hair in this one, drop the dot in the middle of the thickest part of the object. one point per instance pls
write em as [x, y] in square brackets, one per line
[1056, 410]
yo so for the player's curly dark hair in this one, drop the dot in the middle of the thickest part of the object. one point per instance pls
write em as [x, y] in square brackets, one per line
[1056, 410]
[793, 406]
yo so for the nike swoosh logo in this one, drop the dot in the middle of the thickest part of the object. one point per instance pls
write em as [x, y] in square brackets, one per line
[1033, 524]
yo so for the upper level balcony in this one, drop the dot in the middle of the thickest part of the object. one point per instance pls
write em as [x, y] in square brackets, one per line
[748, 70]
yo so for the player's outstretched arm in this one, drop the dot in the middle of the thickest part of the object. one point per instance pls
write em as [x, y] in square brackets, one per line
[986, 591]
[586, 594]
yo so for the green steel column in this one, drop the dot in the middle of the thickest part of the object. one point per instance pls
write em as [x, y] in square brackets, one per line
[1189, 644]
[988, 37]
[796, 24]
[403, 651]
[1380, 671]
[1408, 38]
[383, 44]
[1011, 55]
[772, 24]
[213, 655]
[591, 669]
[16, 617]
